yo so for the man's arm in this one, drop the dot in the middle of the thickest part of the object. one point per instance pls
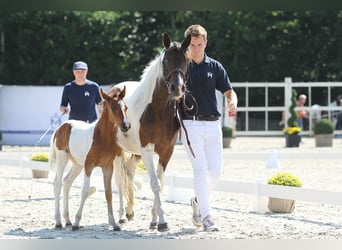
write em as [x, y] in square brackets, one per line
[232, 100]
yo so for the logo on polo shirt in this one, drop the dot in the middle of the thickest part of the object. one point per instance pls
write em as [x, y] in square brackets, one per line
[210, 75]
[86, 93]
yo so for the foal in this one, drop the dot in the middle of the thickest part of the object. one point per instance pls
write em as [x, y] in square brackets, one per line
[88, 145]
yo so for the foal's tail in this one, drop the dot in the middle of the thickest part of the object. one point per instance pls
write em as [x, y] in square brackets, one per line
[59, 140]
[52, 153]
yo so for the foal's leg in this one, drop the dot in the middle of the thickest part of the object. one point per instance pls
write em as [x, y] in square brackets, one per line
[86, 191]
[61, 162]
[68, 180]
[107, 180]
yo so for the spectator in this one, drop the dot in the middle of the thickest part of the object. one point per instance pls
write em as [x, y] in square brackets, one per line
[82, 95]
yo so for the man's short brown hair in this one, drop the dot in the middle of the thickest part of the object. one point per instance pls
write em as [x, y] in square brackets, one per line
[196, 30]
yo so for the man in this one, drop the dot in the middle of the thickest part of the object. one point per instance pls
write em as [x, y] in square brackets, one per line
[82, 95]
[204, 129]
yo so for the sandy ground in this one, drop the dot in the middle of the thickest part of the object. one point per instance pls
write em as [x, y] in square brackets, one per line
[27, 204]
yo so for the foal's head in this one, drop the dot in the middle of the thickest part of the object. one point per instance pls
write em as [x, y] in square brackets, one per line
[175, 65]
[116, 108]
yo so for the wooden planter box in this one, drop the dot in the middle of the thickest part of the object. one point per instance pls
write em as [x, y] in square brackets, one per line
[325, 140]
[281, 205]
[40, 169]
[226, 142]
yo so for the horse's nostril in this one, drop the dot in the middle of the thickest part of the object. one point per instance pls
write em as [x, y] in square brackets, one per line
[173, 88]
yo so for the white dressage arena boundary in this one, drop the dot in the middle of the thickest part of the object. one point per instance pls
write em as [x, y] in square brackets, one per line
[177, 185]
[180, 187]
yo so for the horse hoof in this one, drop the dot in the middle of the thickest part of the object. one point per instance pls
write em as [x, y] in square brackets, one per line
[153, 225]
[75, 228]
[122, 221]
[163, 227]
[68, 224]
[130, 216]
[116, 228]
[58, 226]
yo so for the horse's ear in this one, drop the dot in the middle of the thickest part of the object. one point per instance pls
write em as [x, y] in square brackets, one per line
[166, 40]
[186, 42]
[103, 94]
[123, 92]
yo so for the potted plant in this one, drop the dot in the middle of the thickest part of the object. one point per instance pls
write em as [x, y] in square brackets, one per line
[324, 133]
[292, 130]
[39, 165]
[227, 134]
[283, 205]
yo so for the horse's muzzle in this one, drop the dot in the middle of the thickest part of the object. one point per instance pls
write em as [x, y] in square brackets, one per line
[125, 126]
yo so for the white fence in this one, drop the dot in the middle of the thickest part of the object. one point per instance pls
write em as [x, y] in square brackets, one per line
[180, 188]
[331, 89]
[26, 112]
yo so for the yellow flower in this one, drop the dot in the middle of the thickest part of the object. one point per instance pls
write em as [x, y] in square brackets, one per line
[291, 130]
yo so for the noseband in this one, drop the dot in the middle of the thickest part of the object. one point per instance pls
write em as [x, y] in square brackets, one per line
[168, 77]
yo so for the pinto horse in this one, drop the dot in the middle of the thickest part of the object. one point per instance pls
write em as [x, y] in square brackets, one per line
[153, 103]
[88, 145]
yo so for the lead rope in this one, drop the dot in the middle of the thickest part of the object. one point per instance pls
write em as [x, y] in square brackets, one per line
[29, 197]
[182, 125]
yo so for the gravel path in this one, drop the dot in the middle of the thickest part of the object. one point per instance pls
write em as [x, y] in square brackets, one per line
[24, 218]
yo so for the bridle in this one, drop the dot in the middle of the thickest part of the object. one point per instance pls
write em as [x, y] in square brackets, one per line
[167, 79]
[176, 102]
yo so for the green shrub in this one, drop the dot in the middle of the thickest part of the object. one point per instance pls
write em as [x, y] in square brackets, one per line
[323, 126]
[285, 179]
[40, 157]
[292, 120]
[227, 132]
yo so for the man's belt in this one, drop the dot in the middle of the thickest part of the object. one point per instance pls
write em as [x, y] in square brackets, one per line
[202, 118]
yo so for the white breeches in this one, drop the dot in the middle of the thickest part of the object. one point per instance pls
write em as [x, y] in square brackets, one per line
[206, 142]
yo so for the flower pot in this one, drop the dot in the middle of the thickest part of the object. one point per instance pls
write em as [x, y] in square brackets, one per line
[226, 142]
[277, 205]
[39, 169]
[292, 140]
[40, 173]
[324, 140]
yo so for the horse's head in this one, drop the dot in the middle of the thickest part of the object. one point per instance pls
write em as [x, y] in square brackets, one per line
[116, 107]
[175, 64]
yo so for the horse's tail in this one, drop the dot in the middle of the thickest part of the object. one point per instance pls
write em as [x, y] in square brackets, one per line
[124, 169]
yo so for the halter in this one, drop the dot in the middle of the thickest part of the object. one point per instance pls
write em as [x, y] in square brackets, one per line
[168, 76]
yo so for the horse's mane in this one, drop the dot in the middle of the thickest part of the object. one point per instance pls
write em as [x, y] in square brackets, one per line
[152, 72]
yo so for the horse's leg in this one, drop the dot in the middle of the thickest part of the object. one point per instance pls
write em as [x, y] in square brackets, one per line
[131, 166]
[124, 173]
[67, 183]
[86, 191]
[120, 183]
[61, 162]
[107, 180]
[157, 210]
